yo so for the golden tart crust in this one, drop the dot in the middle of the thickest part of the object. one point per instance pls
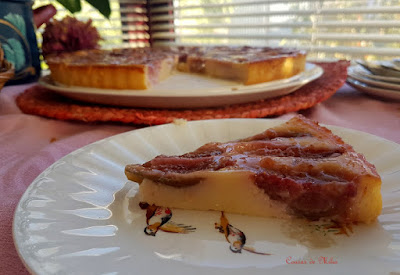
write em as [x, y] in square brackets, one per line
[112, 69]
[140, 68]
[248, 65]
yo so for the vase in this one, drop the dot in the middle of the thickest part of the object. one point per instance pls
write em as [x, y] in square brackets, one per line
[18, 40]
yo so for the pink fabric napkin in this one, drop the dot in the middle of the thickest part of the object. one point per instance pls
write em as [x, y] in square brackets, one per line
[30, 144]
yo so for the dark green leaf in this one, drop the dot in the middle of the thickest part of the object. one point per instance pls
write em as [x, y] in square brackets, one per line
[103, 6]
[18, 21]
[14, 53]
[71, 5]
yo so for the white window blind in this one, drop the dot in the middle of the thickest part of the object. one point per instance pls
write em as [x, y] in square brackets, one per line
[127, 26]
[367, 29]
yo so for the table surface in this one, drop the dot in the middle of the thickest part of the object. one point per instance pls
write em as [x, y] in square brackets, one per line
[29, 144]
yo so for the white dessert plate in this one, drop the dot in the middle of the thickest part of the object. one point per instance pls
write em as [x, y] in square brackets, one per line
[365, 73]
[187, 91]
[373, 82]
[81, 216]
[371, 90]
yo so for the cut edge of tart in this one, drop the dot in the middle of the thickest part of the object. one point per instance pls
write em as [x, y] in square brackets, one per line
[297, 169]
[244, 64]
[135, 69]
[141, 68]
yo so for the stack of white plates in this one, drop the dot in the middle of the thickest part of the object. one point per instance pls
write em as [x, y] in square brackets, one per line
[379, 78]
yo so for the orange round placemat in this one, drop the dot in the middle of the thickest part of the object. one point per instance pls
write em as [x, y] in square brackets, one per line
[40, 101]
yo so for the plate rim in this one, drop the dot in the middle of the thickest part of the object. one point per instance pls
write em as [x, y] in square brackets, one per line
[363, 87]
[227, 90]
[360, 70]
[32, 185]
[366, 64]
[374, 82]
[184, 98]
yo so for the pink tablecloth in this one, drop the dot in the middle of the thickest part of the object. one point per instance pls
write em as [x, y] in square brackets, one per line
[30, 144]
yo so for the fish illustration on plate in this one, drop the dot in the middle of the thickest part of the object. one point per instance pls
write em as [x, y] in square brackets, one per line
[159, 218]
[235, 237]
